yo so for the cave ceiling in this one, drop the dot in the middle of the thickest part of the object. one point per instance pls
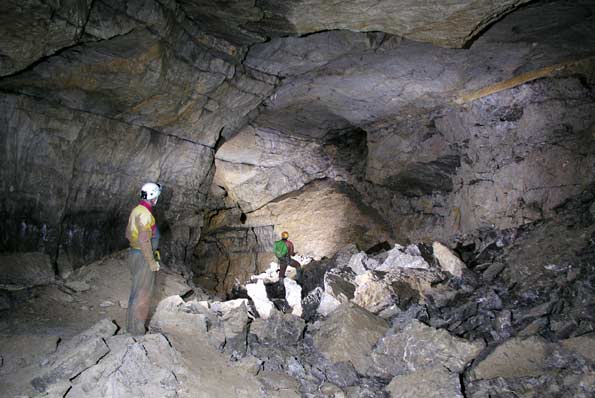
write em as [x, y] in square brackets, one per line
[195, 69]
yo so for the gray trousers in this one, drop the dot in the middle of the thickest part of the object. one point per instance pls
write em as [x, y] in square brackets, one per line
[143, 280]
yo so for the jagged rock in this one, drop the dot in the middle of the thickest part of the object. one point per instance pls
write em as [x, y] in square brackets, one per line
[235, 326]
[357, 263]
[20, 271]
[330, 390]
[398, 258]
[311, 302]
[144, 367]
[503, 325]
[342, 374]
[434, 382]
[327, 304]
[293, 296]
[270, 275]
[374, 391]
[275, 340]
[174, 315]
[171, 284]
[343, 256]
[280, 330]
[24, 350]
[301, 211]
[78, 354]
[448, 260]
[258, 294]
[417, 285]
[417, 346]
[349, 334]
[372, 293]
[340, 283]
[224, 307]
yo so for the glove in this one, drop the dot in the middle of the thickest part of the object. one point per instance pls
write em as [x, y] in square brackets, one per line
[157, 255]
[154, 265]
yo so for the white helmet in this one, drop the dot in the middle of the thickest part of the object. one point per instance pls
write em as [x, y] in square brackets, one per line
[150, 191]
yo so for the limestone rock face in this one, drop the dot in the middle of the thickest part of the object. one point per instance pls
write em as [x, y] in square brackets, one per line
[143, 96]
[82, 178]
[21, 271]
[150, 84]
[228, 255]
[502, 187]
[451, 25]
[257, 166]
[32, 29]
[322, 218]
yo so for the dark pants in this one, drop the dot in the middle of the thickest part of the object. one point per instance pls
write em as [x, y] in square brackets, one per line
[139, 302]
[284, 262]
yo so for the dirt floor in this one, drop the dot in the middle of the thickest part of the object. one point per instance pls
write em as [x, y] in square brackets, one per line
[43, 316]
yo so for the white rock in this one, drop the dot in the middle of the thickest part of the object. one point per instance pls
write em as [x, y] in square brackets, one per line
[357, 263]
[448, 260]
[258, 293]
[398, 259]
[123, 304]
[271, 275]
[204, 303]
[293, 295]
[413, 250]
[226, 306]
[327, 304]
[106, 303]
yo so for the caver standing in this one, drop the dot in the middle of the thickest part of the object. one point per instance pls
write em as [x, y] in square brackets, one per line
[143, 235]
[284, 250]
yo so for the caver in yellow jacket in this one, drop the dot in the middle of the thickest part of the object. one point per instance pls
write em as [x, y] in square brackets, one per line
[140, 230]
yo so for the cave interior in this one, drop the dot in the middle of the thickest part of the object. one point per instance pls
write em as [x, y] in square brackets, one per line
[358, 124]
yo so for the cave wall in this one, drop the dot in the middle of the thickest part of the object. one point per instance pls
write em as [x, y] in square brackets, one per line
[499, 162]
[69, 180]
[136, 93]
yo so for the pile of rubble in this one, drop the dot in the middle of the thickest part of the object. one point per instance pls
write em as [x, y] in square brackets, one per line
[397, 322]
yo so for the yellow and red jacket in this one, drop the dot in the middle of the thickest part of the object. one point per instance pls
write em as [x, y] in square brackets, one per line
[141, 224]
